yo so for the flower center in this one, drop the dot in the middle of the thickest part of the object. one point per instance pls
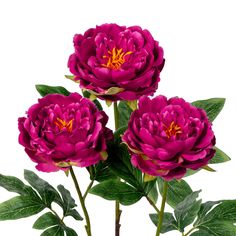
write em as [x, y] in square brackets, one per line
[172, 130]
[116, 58]
[64, 124]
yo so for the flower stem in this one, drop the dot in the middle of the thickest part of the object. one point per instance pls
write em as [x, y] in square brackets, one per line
[86, 215]
[117, 204]
[88, 188]
[55, 213]
[161, 214]
[153, 204]
[116, 115]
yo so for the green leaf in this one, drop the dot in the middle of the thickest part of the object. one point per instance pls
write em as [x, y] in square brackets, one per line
[201, 233]
[87, 94]
[54, 231]
[218, 221]
[212, 106]
[75, 214]
[169, 223]
[204, 209]
[13, 184]
[186, 211]
[124, 113]
[118, 133]
[45, 90]
[178, 190]
[116, 190]
[68, 203]
[70, 232]
[46, 220]
[20, 207]
[219, 228]
[226, 210]
[219, 157]
[103, 172]
[45, 190]
[119, 162]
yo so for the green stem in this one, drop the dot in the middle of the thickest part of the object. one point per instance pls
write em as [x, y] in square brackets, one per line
[116, 115]
[161, 214]
[117, 205]
[86, 215]
[61, 219]
[153, 204]
[88, 188]
[92, 172]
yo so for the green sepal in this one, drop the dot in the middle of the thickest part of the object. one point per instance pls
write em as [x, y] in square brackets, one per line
[208, 168]
[132, 104]
[72, 77]
[86, 94]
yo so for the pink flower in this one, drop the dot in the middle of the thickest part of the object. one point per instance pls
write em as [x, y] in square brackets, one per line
[116, 62]
[60, 131]
[166, 137]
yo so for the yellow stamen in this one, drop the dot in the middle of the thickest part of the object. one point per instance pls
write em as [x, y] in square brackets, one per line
[173, 130]
[116, 58]
[64, 124]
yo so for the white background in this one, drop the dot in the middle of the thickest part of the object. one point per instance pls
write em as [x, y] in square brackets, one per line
[199, 41]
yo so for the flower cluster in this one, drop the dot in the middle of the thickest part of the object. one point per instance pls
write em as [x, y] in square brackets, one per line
[164, 137]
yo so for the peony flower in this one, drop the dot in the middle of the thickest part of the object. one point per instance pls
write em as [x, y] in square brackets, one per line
[61, 131]
[117, 63]
[167, 137]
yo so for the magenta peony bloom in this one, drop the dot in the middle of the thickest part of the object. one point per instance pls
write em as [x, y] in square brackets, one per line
[61, 131]
[166, 137]
[117, 63]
